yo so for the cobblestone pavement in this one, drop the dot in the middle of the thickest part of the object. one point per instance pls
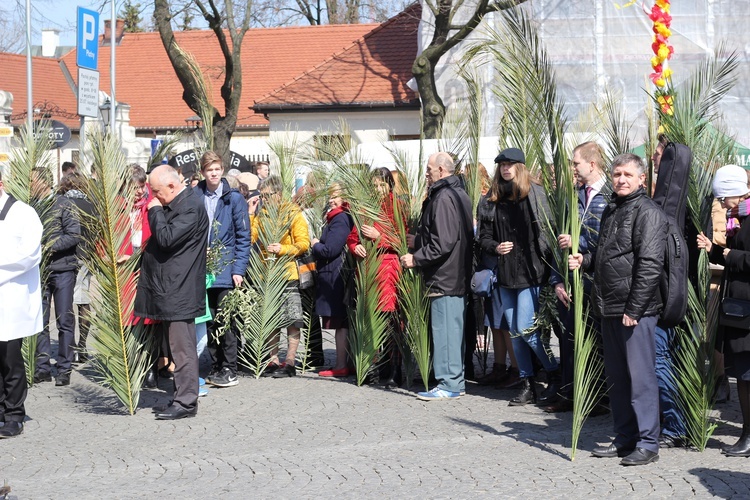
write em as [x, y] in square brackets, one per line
[307, 437]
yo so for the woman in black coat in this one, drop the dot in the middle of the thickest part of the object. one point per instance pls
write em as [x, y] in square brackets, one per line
[329, 295]
[730, 187]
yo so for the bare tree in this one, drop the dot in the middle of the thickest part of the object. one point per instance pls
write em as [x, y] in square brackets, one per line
[318, 12]
[223, 20]
[447, 35]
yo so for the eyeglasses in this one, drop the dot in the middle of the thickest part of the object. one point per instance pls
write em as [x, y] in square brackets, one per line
[722, 199]
[265, 196]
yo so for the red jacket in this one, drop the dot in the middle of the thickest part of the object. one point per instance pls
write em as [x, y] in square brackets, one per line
[389, 270]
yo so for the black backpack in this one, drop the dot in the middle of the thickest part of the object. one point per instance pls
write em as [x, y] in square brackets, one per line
[671, 193]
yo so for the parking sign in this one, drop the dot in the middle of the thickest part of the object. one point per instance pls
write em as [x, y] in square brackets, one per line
[87, 46]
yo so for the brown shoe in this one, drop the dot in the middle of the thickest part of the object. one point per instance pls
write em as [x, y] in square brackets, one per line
[498, 375]
[513, 380]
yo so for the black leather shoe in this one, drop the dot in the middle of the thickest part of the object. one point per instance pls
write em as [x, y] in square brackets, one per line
[40, 377]
[62, 379]
[527, 394]
[175, 412]
[612, 451]
[11, 429]
[667, 442]
[740, 449]
[151, 381]
[562, 405]
[640, 456]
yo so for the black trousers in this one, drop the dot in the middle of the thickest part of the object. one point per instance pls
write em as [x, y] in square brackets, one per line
[59, 287]
[223, 350]
[182, 343]
[630, 365]
[12, 382]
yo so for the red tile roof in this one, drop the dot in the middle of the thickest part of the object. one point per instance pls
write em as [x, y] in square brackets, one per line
[50, 90]
[270, 56]
[371, 72]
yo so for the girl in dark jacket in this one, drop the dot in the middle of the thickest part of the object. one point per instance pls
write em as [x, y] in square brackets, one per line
[329, 293]
[511, 227]
[730, 187]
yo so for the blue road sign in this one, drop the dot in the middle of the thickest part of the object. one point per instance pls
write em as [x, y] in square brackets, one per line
[87, 46]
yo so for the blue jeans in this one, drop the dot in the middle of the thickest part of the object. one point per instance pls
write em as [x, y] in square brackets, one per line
[672, 420]
[520, 308]
[447, 315]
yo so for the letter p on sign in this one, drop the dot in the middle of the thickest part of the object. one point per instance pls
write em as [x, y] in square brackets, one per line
[87, 47]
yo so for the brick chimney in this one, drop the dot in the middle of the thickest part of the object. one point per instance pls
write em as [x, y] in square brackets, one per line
[119, 31]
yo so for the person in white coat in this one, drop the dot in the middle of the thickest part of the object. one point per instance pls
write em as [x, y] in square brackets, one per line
[20, 304]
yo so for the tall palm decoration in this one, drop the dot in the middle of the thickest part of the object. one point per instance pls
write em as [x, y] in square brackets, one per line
[535, 120]
[121, 351]
[32, 154]
[414, 302]
[257, 304]
[692, 119]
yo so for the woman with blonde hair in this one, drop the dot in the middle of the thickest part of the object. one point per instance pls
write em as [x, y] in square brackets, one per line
[511, 226]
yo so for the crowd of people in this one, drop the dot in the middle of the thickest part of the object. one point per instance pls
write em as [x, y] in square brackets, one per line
[174, 224]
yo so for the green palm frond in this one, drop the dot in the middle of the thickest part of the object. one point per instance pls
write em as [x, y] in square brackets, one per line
[369, 325]
[256, 305]
[121, 351]
[164, 150]
[414, 303]
[287, 154]
[203, 95]
[32, 154]
[694, 120]
[614, 124]
[471, 133]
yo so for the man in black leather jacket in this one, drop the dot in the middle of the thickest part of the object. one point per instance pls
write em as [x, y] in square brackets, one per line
[628, 265]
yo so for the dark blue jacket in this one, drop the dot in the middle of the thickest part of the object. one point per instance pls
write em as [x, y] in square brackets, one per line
[232, 228]
[591, 221]
[329, 294]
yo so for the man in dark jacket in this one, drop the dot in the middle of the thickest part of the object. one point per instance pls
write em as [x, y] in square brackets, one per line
[172, 283]
[230, 232]
[62, 234]
[593, 197]
[442, 250]
[628, 265]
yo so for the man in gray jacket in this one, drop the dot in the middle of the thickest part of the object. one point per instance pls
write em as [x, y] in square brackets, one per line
[442, 250]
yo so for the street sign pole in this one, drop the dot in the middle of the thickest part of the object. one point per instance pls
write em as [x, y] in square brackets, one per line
[29, 93]
[113, 103]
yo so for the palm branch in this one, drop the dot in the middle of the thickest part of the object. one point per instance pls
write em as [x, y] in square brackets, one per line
[121, 351]
[32, 154]
[287, 154]
[535, 120]
[693, 120]
[368, 330]
[614, 125]
[257, 304]
[471, 133]
[203, 95]
[164, 150]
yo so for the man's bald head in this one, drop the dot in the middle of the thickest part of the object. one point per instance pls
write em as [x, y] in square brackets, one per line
[439, 166]
[165, 183]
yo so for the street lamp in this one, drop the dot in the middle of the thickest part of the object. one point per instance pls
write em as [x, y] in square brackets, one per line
[105, 110]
